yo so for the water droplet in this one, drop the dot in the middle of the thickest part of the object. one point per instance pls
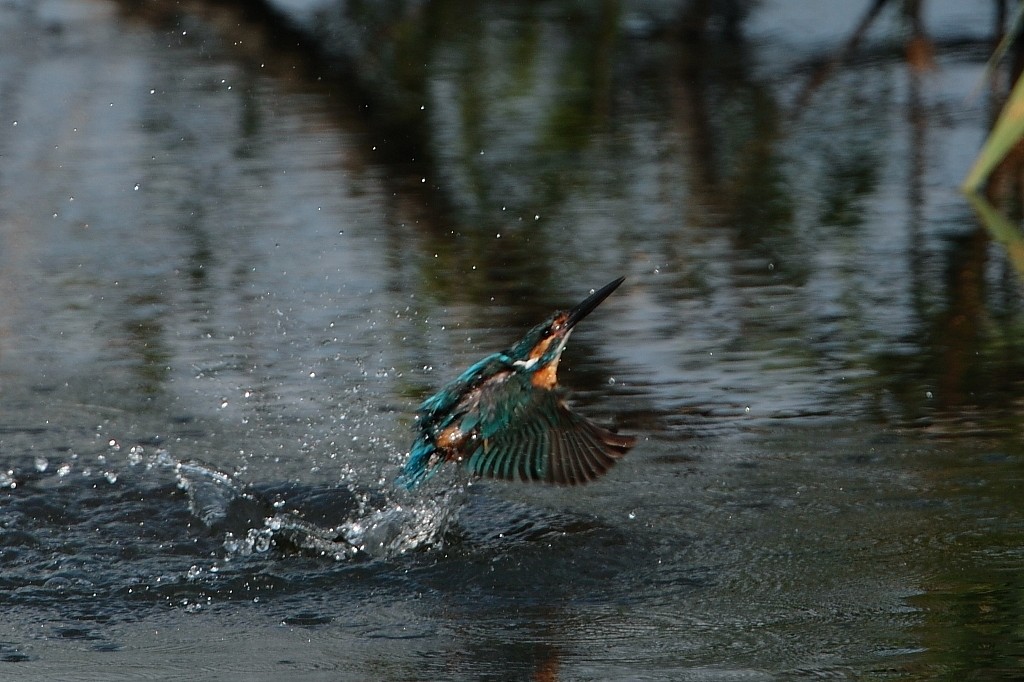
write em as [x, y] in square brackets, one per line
[928, 394]
[41, 464]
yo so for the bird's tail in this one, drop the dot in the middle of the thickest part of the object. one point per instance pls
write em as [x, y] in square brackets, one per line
[424, 461]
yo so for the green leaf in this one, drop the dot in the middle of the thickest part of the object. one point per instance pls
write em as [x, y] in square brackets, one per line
[1006, 133]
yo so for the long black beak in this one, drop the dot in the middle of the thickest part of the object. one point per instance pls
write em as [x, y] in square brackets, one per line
[591, 302]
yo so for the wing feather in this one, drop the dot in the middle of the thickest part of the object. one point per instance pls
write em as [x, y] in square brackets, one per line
[543, 440]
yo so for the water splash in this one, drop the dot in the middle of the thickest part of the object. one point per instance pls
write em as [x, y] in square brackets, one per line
[397, 529]
[340, 523]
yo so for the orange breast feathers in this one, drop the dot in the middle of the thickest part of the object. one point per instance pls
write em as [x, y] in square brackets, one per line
[543, 377]
[546, 376]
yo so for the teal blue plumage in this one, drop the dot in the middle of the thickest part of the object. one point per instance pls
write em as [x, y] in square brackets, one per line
[505, 418]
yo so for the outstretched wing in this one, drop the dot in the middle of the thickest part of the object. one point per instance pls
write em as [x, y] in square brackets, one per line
[530, 434]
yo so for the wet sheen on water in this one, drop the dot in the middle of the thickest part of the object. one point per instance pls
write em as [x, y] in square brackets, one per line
[229, 272]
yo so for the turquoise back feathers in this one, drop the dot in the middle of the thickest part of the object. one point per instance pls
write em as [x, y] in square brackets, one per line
[505, 417]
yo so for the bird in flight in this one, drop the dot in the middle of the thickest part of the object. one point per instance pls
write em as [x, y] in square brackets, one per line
[505, 417]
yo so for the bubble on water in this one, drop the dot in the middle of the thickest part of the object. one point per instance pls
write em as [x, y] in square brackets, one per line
[7, 480]
[110, 476]
[57, 583]
[64, 469]
[231, 543]
[261, 540]
[163, 458]
[41, 464]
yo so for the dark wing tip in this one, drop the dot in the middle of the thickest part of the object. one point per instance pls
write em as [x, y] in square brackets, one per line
[585, 453]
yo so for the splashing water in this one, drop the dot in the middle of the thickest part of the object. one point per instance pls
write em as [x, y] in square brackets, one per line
[397, 529]
[351, 522]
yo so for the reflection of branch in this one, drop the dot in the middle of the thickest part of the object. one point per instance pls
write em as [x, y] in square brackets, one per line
[1001, 229]
[822, 73]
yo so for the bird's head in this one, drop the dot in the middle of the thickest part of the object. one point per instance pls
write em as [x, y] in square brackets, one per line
[538, 352]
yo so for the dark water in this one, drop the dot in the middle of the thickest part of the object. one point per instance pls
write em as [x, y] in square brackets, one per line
[229, 271]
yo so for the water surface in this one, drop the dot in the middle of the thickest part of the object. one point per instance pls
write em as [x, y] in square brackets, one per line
[230, 270]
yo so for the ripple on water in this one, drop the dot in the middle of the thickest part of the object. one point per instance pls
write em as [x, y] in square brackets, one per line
[190, 535]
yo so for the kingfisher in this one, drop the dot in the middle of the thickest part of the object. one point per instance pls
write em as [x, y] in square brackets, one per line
[506, 418]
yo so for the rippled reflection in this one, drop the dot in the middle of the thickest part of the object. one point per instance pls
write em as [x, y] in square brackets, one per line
[235, 254]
